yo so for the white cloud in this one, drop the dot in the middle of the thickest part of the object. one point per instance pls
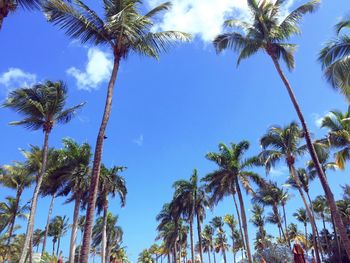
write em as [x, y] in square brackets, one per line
[97, 70]
[319, 118]
[277, 172]
[204, 18]
[138, 141]
[15, 78]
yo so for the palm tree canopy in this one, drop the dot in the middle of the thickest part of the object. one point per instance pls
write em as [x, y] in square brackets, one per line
[335, 62]
[301, 216]
[9, 210]
[122, 27]
[16, 176]
[42, 105]
[58, 227]
[266, 31]
[114, 232]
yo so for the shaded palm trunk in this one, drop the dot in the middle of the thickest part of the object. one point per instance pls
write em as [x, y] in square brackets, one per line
[208, 252]
[244, 221]
[285, 224]
[308, 211]
[306, 237]
[53, 247]
[47, 224]
[224, 255]
[234, 257]
[279, 221]
[214, 256]
[328, 192]
[336, 237]
[58, 246]
[85, 250]
[192, 239]
[239, 221]
[199, 228]
[104, 231]
[73, 237]
[30, 225]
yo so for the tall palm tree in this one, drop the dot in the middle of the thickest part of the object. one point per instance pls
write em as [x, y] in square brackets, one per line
[9, 211]
[258, 220]
[283, 144]
[73, 177]
[16, 177]
[42, 107]
[303, 218]
[111, 183]
[193, 201]
[125, 30]
[231, 222]
[38, 237]
[233, 171]
[58, 228]
[334, 59]
[220, 242]
[269, 33]
[7, 6]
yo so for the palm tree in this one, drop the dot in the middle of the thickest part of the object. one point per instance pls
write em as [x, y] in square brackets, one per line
[81, 225]
[145, 257]
[7, 6]
[233, 170]
[110, 183]
[42, 107]
[9, 211]
[16, 177]
[231, 222]
[125, 30]
[258, 220]
[220, 242]
[208, 241]
[58, 228]
[74, 175]
[38, 237]
[267, 32]
[191, 199]
[338, 124]
[334, 59]
[283, 143]
[302, 217]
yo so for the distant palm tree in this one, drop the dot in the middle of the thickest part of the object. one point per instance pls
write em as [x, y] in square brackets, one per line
[302, 217]
[16, 177]
[269, 33]
[111, 183]
[231, 222]
[38, 237]
[42, 107]
[220, 241]
[145, 257]
[334, 58]
[57, 229]
[208, 241]
[74, 178]
[7, 6]
[9, 211]
[283, 144]
[258, 220]
[233, 171]
[124, 30]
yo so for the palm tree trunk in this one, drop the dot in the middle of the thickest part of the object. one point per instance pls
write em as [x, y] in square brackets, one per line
[175, 254]
[199, 228]
[308, 211]
[208, 252]
[73, 237]
[90, 211]
[58, 246]
[336, 237]
[234, 257]
[214, 256]
[279, 223]
[168, 256]
[192, 239]
[239, 221]
[285, 223]
[53, 247]
[328, 192]
[224, 255]
[47, 224]
[244, 221]
[104, 230]
[30, 224]
[325, 233]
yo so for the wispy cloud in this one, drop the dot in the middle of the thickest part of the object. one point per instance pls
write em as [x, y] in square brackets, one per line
[138, 141]
[97, 70]
[204, 18]
[277, 172]
[15, 78]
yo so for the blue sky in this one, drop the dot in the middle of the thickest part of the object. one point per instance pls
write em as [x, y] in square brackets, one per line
[167, 115]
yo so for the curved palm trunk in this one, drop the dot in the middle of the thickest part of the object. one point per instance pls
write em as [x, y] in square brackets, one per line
[244, 221]
[104, 231]
[328, 192]
[279, 221]
[90, 211]
[30, 225]
[308, 211]
[199, 228]
[239, 221]
[285, 224]
[12, 225]
[192, 239]
[47, 224]
[73, 237]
